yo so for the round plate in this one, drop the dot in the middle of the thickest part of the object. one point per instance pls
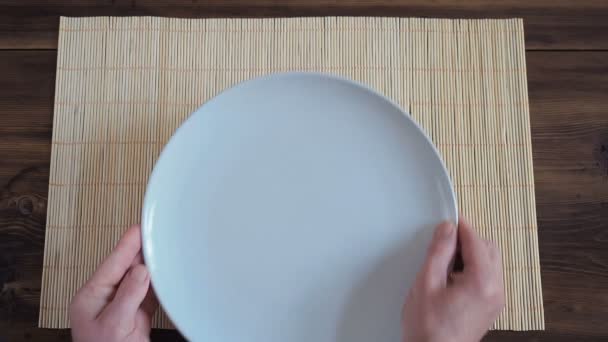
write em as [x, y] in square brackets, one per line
[294, 207]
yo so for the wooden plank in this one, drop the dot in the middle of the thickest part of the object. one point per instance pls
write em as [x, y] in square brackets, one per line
[559, 24]
[25, 134]
[570, 144]
[569, 138]
[26, 102]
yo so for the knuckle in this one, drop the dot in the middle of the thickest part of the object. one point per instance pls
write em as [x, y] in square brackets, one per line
[488, 289]
[491, 293]
[91, 291]
[80, 299]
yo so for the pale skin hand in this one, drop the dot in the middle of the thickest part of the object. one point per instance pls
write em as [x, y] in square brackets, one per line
[117, 302]
[455, 306]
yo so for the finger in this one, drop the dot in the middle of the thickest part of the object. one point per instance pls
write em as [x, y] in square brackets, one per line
[495, 257]
[472, 247]
[114, 267]
[146, 312]
[89, 301]
[150, 303]
[440, 255]
[492, 248]
[129, 296]
[139, 259]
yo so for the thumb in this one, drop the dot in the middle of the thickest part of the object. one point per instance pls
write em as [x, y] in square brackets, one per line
[129, 296]
[472, 246]
[440, 255]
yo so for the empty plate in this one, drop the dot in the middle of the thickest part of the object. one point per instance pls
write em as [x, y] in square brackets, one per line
[295, 207]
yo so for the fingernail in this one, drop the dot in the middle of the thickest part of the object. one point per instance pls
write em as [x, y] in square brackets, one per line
[139, 273]
[446, 229]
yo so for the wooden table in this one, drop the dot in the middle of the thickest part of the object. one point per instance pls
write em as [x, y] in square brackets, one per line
[567, 60]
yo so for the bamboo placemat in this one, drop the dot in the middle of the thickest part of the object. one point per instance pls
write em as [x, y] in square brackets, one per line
[125, 84]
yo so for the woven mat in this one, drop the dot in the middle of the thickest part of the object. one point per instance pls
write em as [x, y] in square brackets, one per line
[125, 84]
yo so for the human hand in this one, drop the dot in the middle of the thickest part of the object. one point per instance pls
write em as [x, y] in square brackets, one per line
[117, 302]
[443, 305]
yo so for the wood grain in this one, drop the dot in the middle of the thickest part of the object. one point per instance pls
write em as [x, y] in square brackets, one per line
[559, 24]
[569, 137]
[25, 133]
[569, 114]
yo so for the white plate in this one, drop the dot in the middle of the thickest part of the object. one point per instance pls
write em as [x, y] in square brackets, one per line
[295, 207]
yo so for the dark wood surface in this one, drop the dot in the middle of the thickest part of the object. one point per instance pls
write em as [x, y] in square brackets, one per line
[550, 24]
[567, 60]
